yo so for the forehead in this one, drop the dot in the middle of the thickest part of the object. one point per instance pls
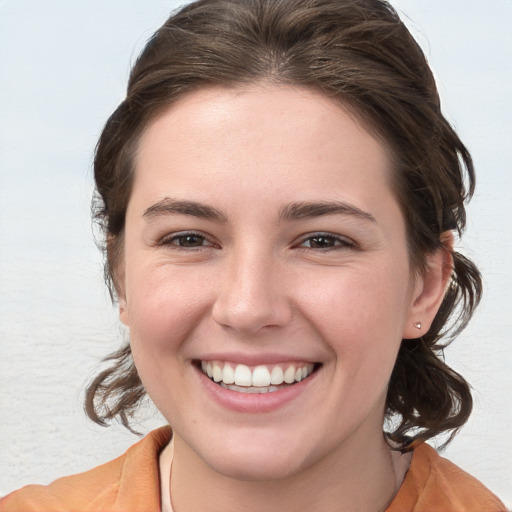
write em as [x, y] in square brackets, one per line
[245, 119]
[272, 132]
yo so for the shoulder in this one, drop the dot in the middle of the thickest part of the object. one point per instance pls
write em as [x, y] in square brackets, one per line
[130, 479]
[433, 483]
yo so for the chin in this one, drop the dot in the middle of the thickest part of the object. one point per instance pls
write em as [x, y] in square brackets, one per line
[257, 469]
[257, 458]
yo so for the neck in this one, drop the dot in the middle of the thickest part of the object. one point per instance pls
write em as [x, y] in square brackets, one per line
[353, 477]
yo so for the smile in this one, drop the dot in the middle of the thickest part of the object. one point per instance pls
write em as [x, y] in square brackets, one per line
[258, 379]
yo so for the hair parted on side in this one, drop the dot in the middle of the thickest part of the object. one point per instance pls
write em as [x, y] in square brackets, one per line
[360, 54]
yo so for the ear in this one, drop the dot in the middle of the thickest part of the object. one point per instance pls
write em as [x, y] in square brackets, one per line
[429, 289]
[115, 257]
[119, 278]
[123, 311]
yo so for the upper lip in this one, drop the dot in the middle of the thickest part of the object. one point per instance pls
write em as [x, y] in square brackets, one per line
[254, 359]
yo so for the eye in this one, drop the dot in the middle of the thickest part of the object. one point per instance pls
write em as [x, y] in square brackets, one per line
[186, 240]
[326, 241]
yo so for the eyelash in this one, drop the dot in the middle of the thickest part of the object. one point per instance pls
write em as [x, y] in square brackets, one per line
[177, 237]
[338, 243]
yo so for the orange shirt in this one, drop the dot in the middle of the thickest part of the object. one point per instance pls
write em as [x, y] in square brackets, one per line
[130, 483]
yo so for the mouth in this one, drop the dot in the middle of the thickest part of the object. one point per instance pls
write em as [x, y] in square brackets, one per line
[256, 379]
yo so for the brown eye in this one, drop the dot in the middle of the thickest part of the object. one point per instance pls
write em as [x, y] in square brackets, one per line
[190, 241]
[326, 241]
[186, 240]
[321, 242]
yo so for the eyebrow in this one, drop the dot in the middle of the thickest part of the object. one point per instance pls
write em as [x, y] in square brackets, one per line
[290, 212]
[169, 206]
[310, 210]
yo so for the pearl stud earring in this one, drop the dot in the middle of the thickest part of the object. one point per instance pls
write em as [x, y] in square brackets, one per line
[417, 325]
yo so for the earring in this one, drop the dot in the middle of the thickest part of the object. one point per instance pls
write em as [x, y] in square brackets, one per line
[417, 325]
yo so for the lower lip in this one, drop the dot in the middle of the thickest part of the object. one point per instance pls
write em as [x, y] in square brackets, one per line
[254, 402]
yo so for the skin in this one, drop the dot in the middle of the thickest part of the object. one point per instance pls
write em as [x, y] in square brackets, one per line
[255, 285]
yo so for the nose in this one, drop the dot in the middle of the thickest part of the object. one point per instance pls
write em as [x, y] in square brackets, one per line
[253, 294]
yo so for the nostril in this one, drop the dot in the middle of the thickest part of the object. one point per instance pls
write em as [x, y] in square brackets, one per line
[253, 297]
[251, 317]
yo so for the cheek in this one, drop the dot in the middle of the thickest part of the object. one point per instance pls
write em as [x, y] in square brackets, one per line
[361, 304]
[165, 312]
[163, 307]
[360, 315]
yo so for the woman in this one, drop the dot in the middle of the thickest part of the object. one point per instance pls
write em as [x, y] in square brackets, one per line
[279, 194]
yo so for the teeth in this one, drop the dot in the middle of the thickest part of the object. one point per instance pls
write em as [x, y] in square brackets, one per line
[258, 380]
[289, 375]
[250, 390]
[228, 374]
[261, 376]
[217, 373]
[276, 377]
[243, 376]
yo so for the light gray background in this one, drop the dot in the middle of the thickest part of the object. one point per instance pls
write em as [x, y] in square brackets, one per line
[63, 68]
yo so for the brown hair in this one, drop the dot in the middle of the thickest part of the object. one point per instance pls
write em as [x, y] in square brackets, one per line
[357, 52]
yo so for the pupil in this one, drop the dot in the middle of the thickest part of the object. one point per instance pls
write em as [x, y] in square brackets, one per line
[321, 241]
[191, 241]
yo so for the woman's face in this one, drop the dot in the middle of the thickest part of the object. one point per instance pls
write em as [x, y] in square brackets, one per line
[264, 246]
